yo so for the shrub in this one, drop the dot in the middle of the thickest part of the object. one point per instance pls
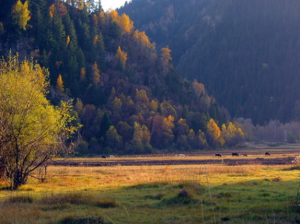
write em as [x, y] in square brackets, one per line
[180, 199]
[106, 203]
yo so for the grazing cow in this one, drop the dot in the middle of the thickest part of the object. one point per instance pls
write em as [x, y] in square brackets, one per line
[112, 156]
[218, 155]
[183, 194]
[267, 154]
[181, 155]
[104, 157]
[235, 154]
[245, 155]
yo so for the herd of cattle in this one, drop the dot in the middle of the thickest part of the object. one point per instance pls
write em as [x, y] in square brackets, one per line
[236, 154]
[216, 155]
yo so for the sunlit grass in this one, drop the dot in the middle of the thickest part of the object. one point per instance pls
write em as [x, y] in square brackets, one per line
[149, 194]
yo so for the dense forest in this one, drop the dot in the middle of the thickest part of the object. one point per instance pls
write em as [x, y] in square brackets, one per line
[125, 89]
[246, 53]
[126, 93]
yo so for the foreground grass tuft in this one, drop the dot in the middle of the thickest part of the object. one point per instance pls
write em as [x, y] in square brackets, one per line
[71, 198]
[62, 200]
[19, 199]
[185, 193]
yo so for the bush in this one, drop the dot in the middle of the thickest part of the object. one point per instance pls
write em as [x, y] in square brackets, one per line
[106, 203]
[183, 197]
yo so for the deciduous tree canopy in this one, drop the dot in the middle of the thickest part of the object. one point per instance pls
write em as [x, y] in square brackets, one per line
[32, 130]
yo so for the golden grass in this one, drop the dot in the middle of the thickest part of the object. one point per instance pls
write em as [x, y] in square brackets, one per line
[130, 194]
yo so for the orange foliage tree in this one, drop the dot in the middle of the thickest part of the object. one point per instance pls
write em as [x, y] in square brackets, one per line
[214, 134]
[60, 84]
[121, 56]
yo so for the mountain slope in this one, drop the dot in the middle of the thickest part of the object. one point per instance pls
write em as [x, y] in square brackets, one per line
[245, 52]
[127, 94]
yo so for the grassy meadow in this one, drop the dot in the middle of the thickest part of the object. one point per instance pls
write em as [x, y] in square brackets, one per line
[154, 194]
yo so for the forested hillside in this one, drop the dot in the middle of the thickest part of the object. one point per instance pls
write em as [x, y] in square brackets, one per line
[125, 91]
[246, 53]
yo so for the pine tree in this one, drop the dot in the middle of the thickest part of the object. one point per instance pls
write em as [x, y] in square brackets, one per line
[105, 124]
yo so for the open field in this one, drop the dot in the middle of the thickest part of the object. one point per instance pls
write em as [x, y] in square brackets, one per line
[214, 193]
[245, 157]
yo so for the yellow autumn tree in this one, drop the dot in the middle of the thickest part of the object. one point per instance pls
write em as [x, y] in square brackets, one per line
[116, 105]
[121, 57]
[232, 135]
[60, 84]
[200, 140]
[142, 101]
[95, 74]
[82, 74]
[141, 134]
[51, 10]
[182, 127]
[32, 131]
[95, 40]
[95, 20]
[125, 23]
[68, 40]
[153, 106]
[21, 14]
[143, 39]
[101, 18]
[166, 59]
[78, 106]
[214, 134]
[167, 130]
[199, 88]
[114, 140]
[114, 16]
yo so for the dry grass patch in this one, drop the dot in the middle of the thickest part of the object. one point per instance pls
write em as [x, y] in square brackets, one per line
[137, 194]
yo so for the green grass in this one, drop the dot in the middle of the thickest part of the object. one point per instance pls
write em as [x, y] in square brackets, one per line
[151, 194]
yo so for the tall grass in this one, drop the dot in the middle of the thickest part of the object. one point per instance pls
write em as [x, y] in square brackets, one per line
[138, 194]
